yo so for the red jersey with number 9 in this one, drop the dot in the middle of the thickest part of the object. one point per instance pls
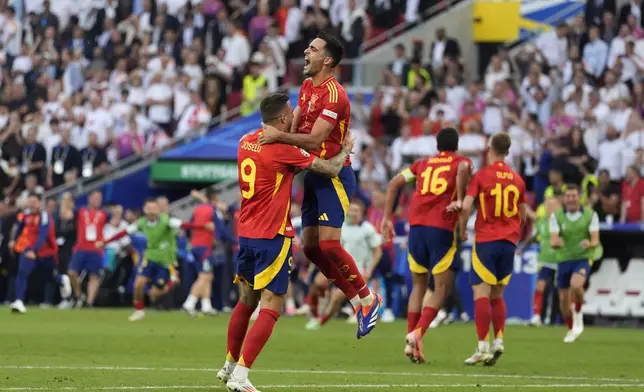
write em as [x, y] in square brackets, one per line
[265, 181]
[499, 191]
[330, 102]
[435, 190]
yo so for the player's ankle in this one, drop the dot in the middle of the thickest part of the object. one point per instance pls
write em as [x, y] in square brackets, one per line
[367, 300]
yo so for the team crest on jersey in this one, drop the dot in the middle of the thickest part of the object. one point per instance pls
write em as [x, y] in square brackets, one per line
[312, 102]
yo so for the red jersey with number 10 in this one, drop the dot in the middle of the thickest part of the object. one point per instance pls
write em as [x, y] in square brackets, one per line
[500, 191]
[330, 102]
[89, 229]
[265, 179]
[435, 190]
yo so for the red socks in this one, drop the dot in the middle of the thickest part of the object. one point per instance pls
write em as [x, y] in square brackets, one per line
[578, 306]
[343, 261]
[324, 264]
[537, 302]
[499, 313]
[258, 335]
[312, 300]
[237, 327]
[138, 304]
[324, 319]
[412, 320]
[426, 318]
[482, 317]
[568, 322]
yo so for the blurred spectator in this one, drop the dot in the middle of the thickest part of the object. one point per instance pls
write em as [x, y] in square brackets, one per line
[609, 197]
[632, 196]
[31, 187]
[595, 53]
[595, 9]
[94, 157]
[64, 158]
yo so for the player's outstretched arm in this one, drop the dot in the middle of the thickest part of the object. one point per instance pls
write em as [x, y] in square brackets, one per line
[313, 141]
[332, 167]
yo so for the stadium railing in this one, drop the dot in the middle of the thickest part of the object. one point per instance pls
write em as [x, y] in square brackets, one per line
[400, 28]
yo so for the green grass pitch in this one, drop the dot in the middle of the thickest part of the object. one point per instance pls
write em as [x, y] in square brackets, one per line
[99, 350]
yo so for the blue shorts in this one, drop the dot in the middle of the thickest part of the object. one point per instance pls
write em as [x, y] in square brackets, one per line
[431, 249]
[202, 259]
[492, 262]
[157, 274]
[546, 271]
[384, 269]
[566, 269]
[47, 264]
[265, 264]
[326, 200]
[92, 262]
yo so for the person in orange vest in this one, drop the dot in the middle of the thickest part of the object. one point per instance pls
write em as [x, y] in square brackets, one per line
[35, 244]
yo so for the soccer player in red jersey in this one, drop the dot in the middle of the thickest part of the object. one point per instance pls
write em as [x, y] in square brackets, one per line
[265, 233]
[502, 207]
[35, 244]
[320, 125]
[90, 222]
[202, 244]
[441, 182]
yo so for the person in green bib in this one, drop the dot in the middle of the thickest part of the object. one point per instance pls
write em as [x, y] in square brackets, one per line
[160, 231]
[546, 257]
[574, 234]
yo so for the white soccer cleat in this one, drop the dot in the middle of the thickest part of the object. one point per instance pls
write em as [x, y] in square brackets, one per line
[65, 304]
[65, 287]
[225, 373]
[414, 347]
[438, 320]
[190, 311]
[479, 357]
[80, 302]
[138, 315]
[209, 312]
[313, 324]
[535, 321]
[578, 323]
[465, 317]
[353, 319]
[235, 385]
[303, 310]
[388, 316]
[570, 337]
[18, 307]
[497, 351]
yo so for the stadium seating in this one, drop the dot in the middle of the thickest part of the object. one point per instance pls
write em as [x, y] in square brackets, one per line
[634, 287]
[602, 285]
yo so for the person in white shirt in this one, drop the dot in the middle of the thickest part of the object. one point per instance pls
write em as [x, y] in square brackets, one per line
[196, 115]
[456, 94]
[236, 47]
[553, 45]
[618, 45]
[610, 154]
[115, 225]
[362, 241]
[495, 73]
[450, 112]
[159, 101]
[403, 149]
[99, 120]
[613, 90]
[11, 32]
[579, 82]
[472, 144]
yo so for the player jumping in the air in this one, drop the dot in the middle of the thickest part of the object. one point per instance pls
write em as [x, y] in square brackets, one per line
[35, 244]
[160, 231]
[574, 233]
[441, 182]
[321, 120]
[265, 233]
[501, 207]
[91, 221]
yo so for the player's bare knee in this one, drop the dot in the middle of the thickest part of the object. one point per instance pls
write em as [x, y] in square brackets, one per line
[328, 233]
[481, 290]
[271, 300]
[497, 291]
[577, 282]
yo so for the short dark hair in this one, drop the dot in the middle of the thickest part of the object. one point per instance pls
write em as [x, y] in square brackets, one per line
[212, 193]
[36, 195]
[150, 200]
[272, 106]
[333, 47]
[572, 187]
[500, 143]
[447, 140]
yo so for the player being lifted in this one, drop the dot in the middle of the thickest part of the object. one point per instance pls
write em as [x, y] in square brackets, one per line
[441, 182]
[574, 233]
[160, 231]
[265, 234]
[501, 207]
[320, 125]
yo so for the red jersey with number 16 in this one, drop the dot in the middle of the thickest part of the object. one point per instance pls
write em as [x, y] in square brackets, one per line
[435, 190]
[265, 180]
[330, 102]
[500, 191]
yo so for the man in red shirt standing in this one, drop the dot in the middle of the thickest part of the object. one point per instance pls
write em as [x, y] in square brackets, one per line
[441, 181]
[35, 244]
[502, 207]
[90, 222]
[265, 233]
[321, 123]
[632, 196]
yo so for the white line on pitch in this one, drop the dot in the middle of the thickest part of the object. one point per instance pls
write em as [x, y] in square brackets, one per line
[321, 386]
[306, 371]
